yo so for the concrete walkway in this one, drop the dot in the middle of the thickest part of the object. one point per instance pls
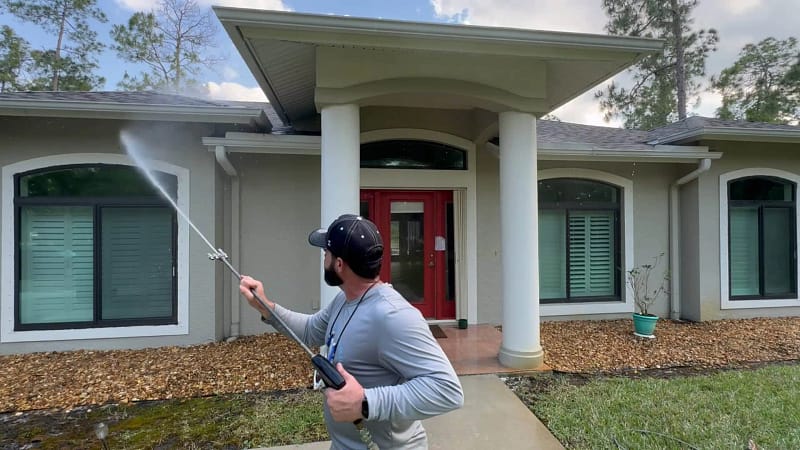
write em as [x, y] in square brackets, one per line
[492, 417]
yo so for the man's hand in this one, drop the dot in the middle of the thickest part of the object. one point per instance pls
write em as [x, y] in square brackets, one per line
[345, 404]
[245, 285]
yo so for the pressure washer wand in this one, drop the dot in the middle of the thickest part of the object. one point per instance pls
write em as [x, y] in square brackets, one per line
[330, 376]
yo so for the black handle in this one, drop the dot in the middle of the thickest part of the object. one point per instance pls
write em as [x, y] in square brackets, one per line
[330, 376]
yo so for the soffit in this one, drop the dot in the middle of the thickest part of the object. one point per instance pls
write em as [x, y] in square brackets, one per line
[281, 51]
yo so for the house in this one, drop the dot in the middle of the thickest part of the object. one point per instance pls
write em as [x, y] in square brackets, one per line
[430, 130]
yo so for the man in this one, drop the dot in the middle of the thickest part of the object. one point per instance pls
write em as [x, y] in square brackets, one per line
[395, 372]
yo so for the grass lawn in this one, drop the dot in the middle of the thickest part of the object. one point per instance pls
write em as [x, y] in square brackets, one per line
[720, 410]
[218, 422]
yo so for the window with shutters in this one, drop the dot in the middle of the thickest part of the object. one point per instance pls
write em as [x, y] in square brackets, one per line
[96, 247]
[579, 250]
[762, 259]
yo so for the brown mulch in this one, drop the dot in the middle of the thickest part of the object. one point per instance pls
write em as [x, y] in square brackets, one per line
[610, 346]
[271, 362]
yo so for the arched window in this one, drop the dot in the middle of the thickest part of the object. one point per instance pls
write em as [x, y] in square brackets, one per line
[579, 245]
[96, 247]
[412, 154]
[761, 238]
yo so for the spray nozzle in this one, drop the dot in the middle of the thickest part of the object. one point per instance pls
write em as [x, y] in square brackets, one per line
[217, 255]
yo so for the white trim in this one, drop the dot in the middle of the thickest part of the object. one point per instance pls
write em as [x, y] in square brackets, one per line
[725, 301]
[7, 333]
[463, 180]
[129, 111]
[627, 251]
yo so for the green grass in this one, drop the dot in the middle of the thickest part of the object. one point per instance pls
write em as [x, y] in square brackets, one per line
[719, 411]
[219, 422]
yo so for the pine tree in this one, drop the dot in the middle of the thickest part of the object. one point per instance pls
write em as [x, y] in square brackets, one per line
[664, 82]
[763, 85]
[173, 43]
[73, 55]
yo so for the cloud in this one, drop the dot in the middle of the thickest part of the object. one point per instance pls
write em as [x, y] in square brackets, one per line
[586, 110]
[147, 5]
[558, 15]
[229, 73]
[234, 91]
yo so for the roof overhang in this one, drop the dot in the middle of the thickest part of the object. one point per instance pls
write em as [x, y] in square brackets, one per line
[237, 142]
[305, 61]
[731, 134]
[133, 111]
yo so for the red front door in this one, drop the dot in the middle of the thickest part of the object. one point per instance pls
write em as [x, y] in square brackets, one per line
[417, 230]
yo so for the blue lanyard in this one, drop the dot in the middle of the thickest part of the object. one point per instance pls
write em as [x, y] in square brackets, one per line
[330, 342]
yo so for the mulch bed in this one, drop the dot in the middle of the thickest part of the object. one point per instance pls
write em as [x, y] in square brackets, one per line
[271, 362]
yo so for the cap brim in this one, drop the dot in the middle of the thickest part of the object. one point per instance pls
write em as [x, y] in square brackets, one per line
[319, 238]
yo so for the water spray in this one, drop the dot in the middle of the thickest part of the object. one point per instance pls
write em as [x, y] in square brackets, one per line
[330, 376]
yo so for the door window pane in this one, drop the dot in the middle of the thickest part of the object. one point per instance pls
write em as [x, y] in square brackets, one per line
[56, 256]
[407, 239]
[137, 263]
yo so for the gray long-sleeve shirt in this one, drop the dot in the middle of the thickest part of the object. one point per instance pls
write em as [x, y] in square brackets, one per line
[388, 347]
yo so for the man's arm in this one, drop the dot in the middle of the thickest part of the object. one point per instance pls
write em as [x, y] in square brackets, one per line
[432, 387]
[310, 328]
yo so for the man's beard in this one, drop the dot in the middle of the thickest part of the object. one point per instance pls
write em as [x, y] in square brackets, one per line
[332, 278]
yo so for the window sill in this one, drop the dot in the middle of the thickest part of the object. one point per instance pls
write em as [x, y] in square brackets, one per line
[752, 304]
[575, 309]
[94, 333]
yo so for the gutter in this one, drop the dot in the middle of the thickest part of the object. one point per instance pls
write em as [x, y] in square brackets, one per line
[674, 236]
[234, 246]
[730, 134]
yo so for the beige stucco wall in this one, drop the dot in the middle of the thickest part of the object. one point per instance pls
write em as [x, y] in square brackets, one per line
[688, 266]
[177, 144]
[736, 156]
[280, 205]
[651, 224]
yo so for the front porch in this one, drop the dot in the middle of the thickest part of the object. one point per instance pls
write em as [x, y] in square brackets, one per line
[474, 350]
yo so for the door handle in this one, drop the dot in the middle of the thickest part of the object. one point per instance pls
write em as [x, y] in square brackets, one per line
[430, 261]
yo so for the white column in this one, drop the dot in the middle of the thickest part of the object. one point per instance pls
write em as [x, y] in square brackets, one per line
[341, 129]
[519, 220]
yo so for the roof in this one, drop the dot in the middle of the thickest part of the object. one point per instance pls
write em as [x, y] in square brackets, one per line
[133, 105]
[697, 128]
[300, 60]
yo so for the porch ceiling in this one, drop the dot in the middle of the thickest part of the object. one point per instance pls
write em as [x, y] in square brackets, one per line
[304, 61]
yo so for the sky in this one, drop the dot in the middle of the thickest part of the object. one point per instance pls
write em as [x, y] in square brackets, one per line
[738, 22]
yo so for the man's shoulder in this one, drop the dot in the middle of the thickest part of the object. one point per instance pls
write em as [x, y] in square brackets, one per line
[389, 305]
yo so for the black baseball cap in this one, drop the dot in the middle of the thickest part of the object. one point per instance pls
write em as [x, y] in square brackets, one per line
[354, 239]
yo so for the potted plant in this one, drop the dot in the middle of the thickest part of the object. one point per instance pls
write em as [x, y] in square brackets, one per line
[638, 279]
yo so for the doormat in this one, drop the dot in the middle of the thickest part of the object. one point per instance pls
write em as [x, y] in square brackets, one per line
[437, 332]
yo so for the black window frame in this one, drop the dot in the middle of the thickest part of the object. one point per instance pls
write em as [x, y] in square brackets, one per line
[97, 204]
[791, 205]
[588, 206]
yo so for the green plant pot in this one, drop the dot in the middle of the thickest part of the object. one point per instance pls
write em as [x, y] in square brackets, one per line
[462, 324]
[644, 325]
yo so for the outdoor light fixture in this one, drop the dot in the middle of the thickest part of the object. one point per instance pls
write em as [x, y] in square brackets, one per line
[101, 431]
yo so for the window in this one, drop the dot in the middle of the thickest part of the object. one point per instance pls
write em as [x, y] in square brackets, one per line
[96, 247]
[412, 154]
[761, 238]
[579, 250]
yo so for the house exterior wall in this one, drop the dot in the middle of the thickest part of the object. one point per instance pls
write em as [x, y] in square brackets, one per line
[688, 266]
[280, 205]
[737, 156]
[173, 143]
[650, 183]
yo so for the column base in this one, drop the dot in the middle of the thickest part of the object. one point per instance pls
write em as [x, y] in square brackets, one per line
[521, 360]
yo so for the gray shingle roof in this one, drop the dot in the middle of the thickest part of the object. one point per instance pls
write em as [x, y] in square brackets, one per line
[563, 132]
[697, 123]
